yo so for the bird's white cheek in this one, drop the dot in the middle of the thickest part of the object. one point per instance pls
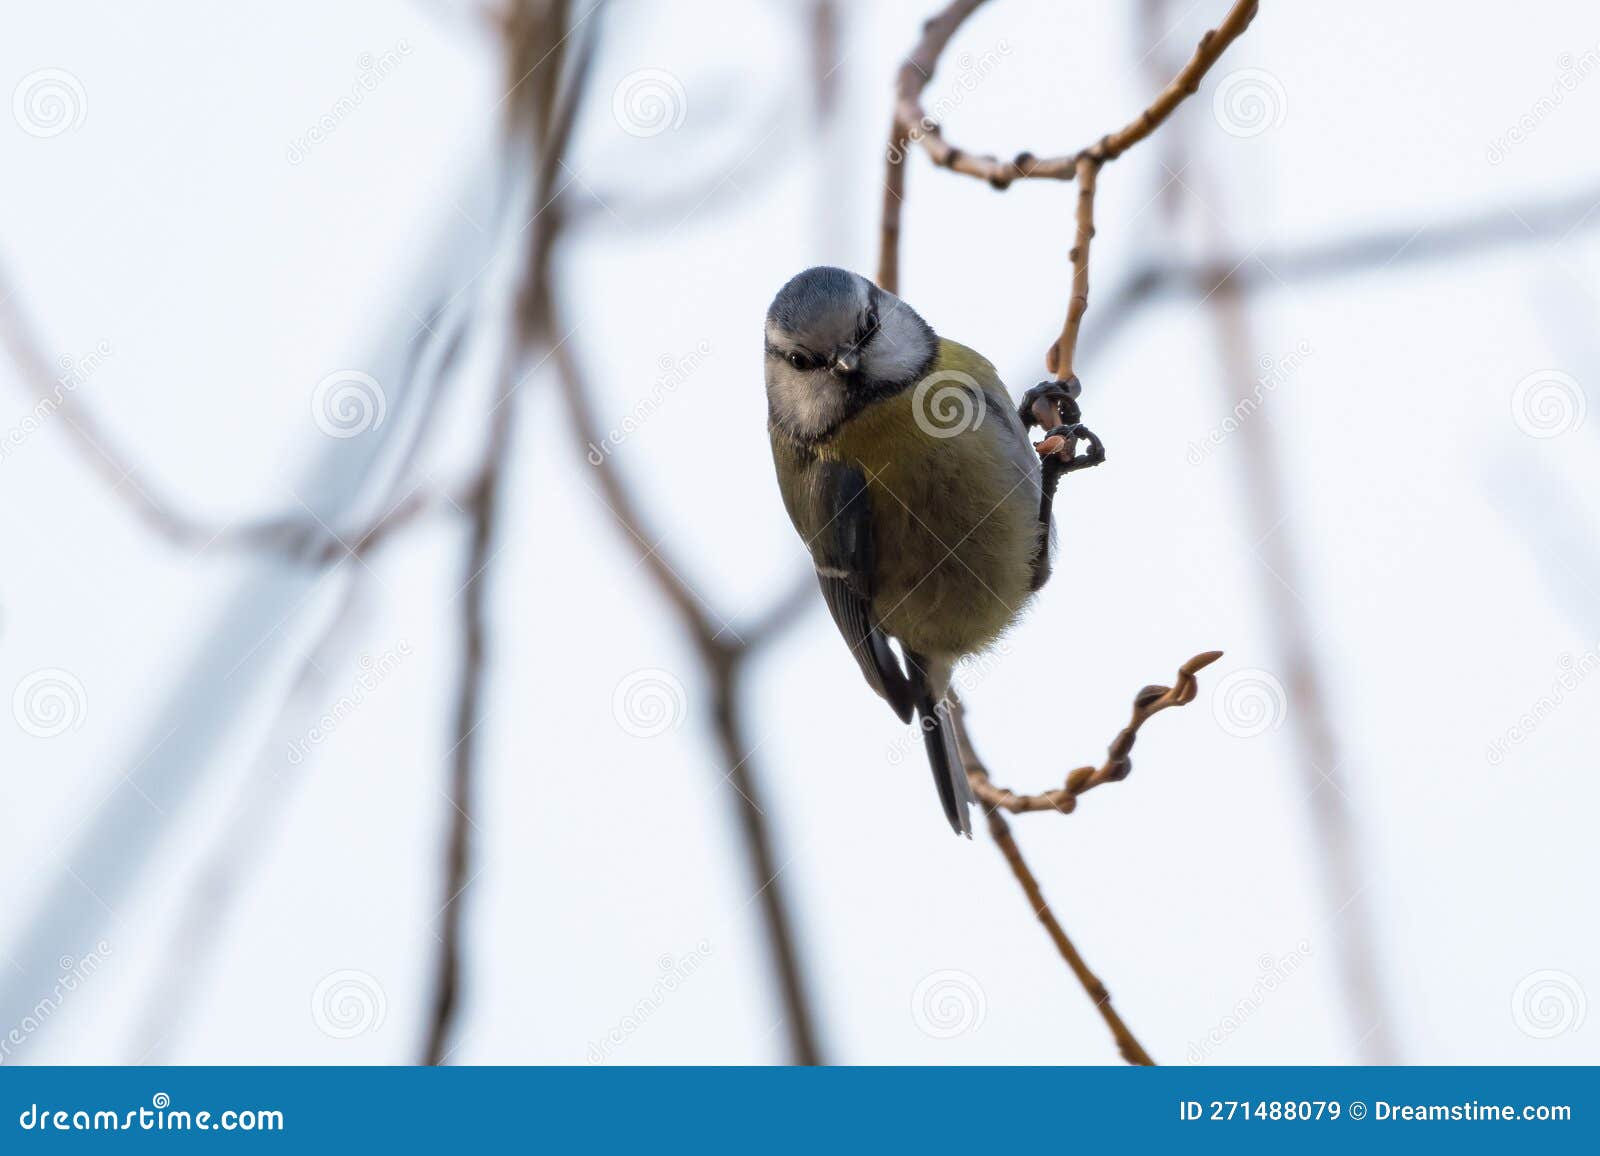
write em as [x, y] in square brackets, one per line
[898, 351]
[807, 403]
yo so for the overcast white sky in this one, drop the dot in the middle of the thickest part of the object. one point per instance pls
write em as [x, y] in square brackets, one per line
[173, 237]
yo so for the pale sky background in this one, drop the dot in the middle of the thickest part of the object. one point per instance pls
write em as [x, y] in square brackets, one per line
[1448, 558]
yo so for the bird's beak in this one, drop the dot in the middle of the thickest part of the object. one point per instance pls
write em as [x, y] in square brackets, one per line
[845, 362]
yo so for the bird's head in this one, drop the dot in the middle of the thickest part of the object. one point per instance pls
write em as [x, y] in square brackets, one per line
[835, 344]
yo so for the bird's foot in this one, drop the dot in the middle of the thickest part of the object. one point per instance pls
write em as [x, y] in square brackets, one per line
[1059, 450]
[1053, 405]
[1050, 404]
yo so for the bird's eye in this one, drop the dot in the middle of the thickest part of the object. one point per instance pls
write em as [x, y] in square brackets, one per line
[872, 320]
[798, 360]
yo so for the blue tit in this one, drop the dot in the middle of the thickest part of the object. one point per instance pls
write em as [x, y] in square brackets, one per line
[912, 481]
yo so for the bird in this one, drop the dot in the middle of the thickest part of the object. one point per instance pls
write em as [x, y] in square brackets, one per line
[914, 484]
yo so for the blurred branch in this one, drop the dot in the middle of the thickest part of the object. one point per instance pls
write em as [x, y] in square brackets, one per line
[548, 79]
[911, 123]
[1321, 761]
[300, 539]
[721, 649]
[1374, 251]
[540, 34]
[783, 613]
[654, 208]
[212, 888]
[722, 654]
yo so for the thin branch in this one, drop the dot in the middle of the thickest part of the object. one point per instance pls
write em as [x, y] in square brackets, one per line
[1118, 763]
[915, 124]
[1375, 251]
[213, 888]
[539, 327]
[784, 612]
[894, 195]
[1058, 358]
[541, 34]
[911, 123]
[723, 657]
[1322, 762]
[1127, 1045]
[295, 538]
[722, 652]
[1321, 759]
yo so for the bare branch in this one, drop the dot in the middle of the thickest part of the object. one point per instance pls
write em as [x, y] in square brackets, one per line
[723, 658]
[547, 93]
[1322, 763]
[296, 538]
[1117, 766]
[1127, 1045]
[1375, 251]
[894, 195]
[1058, 358]
[913, 123]
[530, 35]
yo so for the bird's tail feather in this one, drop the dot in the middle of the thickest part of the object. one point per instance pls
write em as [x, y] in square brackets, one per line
[930, 681]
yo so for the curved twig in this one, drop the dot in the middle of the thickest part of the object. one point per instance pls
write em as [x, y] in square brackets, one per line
[910, 123]
[1117, 766]
[915, 125]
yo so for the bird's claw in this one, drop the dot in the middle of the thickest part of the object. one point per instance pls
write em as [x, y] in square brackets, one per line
[1061, 395]
[1059, 446]
[1059, 451]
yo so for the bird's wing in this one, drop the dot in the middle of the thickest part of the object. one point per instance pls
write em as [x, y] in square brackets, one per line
[844, 554]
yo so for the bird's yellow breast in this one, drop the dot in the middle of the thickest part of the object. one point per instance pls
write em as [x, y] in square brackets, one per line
[955, 517]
